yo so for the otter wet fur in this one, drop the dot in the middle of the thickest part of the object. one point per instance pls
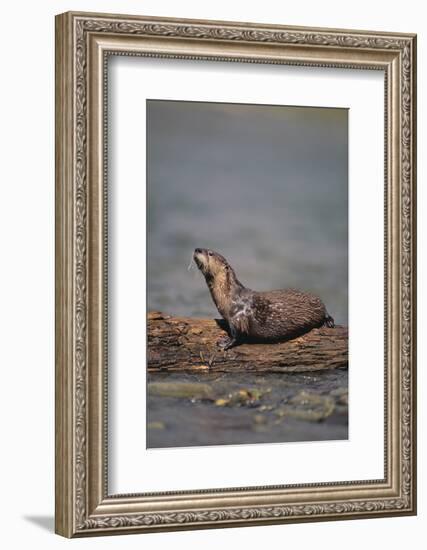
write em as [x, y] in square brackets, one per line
[275, 315]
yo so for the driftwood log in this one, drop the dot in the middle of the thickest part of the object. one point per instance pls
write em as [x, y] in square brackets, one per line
[189, 344]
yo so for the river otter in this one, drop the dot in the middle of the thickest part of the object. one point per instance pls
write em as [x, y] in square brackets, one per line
[258, 316]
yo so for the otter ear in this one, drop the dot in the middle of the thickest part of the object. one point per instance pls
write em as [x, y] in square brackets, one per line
[226, 267]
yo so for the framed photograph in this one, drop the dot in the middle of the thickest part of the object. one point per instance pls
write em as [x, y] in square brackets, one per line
[235, 274]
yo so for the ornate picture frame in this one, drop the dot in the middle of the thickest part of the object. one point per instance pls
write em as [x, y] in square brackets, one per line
[84, 506]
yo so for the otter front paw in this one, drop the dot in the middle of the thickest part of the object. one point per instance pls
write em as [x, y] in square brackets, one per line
[226, 343]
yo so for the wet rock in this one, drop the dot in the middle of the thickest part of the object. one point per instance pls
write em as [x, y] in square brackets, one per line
[189, 390]
[265, 408]
[341, 394]
[278, 411]
[339, 391]
[241, 397]
[221, 402]
[308, 406]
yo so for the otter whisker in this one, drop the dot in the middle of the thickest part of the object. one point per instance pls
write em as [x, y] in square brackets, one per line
[192, 264]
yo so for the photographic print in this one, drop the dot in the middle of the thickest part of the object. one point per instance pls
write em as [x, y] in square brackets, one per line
[247, 263]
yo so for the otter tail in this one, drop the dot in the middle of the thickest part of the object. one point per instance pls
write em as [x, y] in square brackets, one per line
[328, 322]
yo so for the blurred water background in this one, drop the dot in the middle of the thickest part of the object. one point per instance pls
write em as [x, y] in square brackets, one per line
[266, 186]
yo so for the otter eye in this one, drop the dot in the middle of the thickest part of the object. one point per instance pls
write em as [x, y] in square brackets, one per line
[210, 253]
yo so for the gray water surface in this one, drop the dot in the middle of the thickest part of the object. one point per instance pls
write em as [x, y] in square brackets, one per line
[265, 186]
[246, 408]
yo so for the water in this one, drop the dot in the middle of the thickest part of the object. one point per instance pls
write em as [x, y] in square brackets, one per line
[281, 412]
[265, 186]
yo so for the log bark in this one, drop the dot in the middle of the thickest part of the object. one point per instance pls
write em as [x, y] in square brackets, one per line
[189, 344]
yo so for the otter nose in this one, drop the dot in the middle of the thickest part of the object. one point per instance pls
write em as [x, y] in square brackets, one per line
[198, 250]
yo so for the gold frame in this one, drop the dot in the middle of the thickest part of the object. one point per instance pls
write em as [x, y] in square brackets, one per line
[83, 43]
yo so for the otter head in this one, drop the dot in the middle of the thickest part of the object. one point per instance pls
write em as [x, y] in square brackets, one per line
[210, 263]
